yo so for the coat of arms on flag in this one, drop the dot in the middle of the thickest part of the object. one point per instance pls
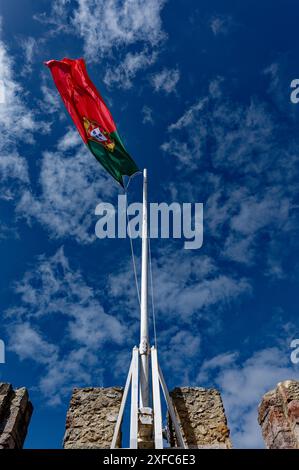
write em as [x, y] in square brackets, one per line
[98, 134]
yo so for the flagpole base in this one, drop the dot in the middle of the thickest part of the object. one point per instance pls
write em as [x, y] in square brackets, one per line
[145, 422]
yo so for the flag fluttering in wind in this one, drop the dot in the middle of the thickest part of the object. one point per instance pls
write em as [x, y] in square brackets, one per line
[91, 116]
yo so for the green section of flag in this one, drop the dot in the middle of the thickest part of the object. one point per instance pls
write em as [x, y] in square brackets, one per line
[117, 162]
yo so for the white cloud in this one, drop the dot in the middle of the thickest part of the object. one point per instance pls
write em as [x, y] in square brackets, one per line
[13, 167]
[70, 180]
[58, 19]
[122, 288]
[13, 175]
[17, 125]
[236, 131]
[8, 232]
[123, 73]
[215, 87]
[50, 102]
[78, 369]
[240, 248]
[217, 362]
[221, 24]
[88, 324]
[277, 75]
[72, 183]
[188, 116]
[180, 150]
[197, 286]
[263, 211]
[258, 374]
[147, 113]
[108, 24]
[166, 80]
[243, 168]
[179, 349]
[28, 343]
[188, 300]
[51, 293]
[254, 214]
[30, 47]
[17, 121]
[108, 28]
[69, 141]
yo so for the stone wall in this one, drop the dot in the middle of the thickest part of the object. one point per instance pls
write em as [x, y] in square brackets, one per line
[279, 416]
[15, 415]
[91, 418]
[202, 418]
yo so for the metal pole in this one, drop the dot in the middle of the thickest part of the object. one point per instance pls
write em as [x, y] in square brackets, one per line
[134, 402]
[122, 407]
[144, 342]
[156, 400]
[171, 410]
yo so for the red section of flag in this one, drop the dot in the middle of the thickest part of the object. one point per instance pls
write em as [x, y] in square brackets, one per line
[79, 94]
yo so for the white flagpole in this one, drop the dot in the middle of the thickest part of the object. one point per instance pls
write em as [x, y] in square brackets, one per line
[144, 340]
[142, 432]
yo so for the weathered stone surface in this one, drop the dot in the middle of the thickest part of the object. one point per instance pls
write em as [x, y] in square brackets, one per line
[202, 418]
[279, 416]
[91, 418]
[15, 415]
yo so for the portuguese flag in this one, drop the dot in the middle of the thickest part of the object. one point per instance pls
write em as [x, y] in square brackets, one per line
[91, 116]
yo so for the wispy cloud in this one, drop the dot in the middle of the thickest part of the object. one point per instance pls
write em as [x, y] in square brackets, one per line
[8, 231]
[197, 288]
[107, 25]
[179, 350]
[122, 74]
[71, 184]
[17, 126]
[243, 385]
[13, 108]
[51, 293]
[30, 47]
[147, 113]
[166, 80]
[58, 19]
[13, 176]
[28, 343]
[198, 294]
[221, 24]
[50, 102]
[244, 169]
[108, 28]
[187, 118]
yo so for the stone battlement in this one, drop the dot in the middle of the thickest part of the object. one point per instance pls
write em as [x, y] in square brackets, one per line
[93, 413]
[278, 415]
[15, 415]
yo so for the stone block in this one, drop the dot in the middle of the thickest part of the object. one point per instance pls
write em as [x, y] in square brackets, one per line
[278, 415]
[91, 418]
[15, 415]
[201, 416]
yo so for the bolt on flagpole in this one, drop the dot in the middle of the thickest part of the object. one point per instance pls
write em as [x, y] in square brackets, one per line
[144, 340]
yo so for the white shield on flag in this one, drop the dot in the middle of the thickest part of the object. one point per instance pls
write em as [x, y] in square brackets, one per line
[97, 134]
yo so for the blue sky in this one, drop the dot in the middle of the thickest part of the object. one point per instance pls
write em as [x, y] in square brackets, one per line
[200, 91]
